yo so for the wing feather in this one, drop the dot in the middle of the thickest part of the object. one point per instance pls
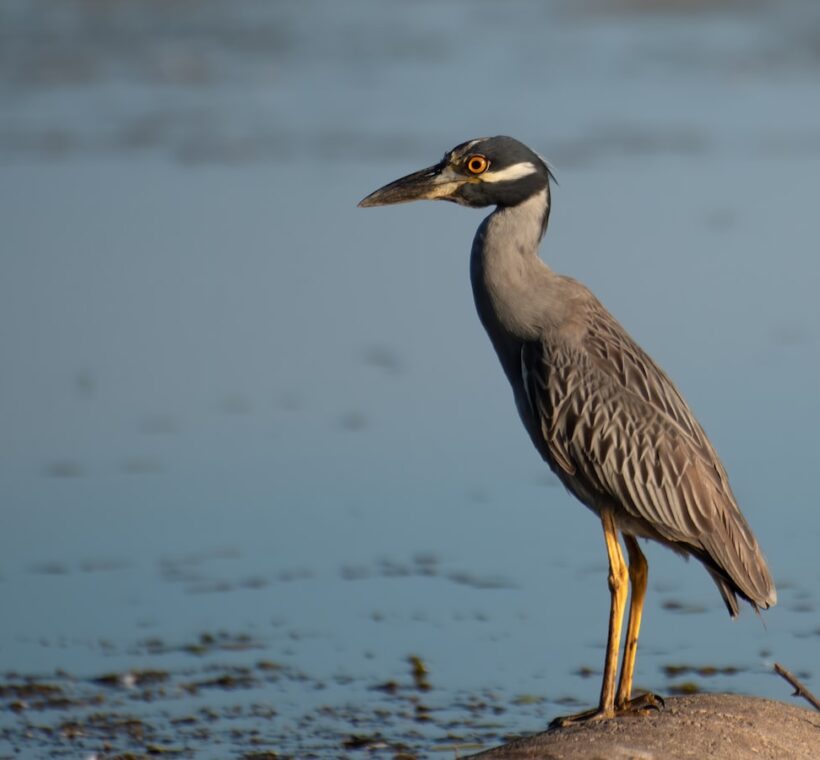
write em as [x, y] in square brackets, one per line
[613, 422]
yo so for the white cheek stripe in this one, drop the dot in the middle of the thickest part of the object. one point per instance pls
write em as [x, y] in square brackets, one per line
[516, 171]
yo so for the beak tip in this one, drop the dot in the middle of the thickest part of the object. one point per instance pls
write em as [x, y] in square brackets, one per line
[370, 200]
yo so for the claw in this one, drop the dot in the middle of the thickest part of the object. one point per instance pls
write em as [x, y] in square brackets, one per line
[644, 702]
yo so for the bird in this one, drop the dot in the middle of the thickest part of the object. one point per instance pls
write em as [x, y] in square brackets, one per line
[604, 416]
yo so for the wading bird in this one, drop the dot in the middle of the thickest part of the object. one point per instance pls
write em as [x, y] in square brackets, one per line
[607, 420]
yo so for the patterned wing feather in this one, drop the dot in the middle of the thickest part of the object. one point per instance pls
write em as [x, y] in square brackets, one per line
[621, 432]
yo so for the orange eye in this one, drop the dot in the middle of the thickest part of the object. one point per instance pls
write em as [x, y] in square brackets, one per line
[477, 164]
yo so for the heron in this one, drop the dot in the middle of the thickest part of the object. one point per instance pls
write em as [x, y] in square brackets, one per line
[603, 415]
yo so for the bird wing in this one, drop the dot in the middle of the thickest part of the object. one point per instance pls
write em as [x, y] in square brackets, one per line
[614, 352]
[621, 431]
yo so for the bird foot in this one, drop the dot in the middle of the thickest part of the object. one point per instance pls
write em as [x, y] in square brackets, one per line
[587, 716]
[640, 705]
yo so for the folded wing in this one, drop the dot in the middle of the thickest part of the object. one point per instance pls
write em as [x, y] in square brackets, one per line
[613, 421]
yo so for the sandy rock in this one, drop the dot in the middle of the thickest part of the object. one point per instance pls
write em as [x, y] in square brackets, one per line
[719, 726]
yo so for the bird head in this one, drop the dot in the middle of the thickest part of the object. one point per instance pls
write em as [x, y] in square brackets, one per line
[489, 171]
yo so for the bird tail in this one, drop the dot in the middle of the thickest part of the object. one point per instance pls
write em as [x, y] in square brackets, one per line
[730, 591]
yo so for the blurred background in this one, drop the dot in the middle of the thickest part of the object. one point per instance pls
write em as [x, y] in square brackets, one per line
[250, 429]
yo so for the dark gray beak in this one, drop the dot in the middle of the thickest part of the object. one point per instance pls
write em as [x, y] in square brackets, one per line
[435, 182]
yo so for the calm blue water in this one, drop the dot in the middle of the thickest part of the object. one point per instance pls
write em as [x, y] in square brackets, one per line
[232, 401]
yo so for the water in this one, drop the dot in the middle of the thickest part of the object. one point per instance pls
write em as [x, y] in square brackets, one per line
[246, 425]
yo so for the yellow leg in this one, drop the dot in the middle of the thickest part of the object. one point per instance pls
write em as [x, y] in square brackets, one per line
[618, 582]
[638, 574]
[618, 589]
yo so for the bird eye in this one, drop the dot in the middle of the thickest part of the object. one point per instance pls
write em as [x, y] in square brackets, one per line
[477, 164]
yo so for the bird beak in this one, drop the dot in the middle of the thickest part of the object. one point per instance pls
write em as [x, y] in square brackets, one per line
[435, 182]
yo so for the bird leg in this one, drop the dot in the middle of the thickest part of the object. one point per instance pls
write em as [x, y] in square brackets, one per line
[618, 583]
[638, 575]
[618, 590]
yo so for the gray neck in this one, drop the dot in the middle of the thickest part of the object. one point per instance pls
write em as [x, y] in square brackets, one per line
[508, 278]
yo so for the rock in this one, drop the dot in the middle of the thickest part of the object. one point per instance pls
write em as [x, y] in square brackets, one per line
[720, 726]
